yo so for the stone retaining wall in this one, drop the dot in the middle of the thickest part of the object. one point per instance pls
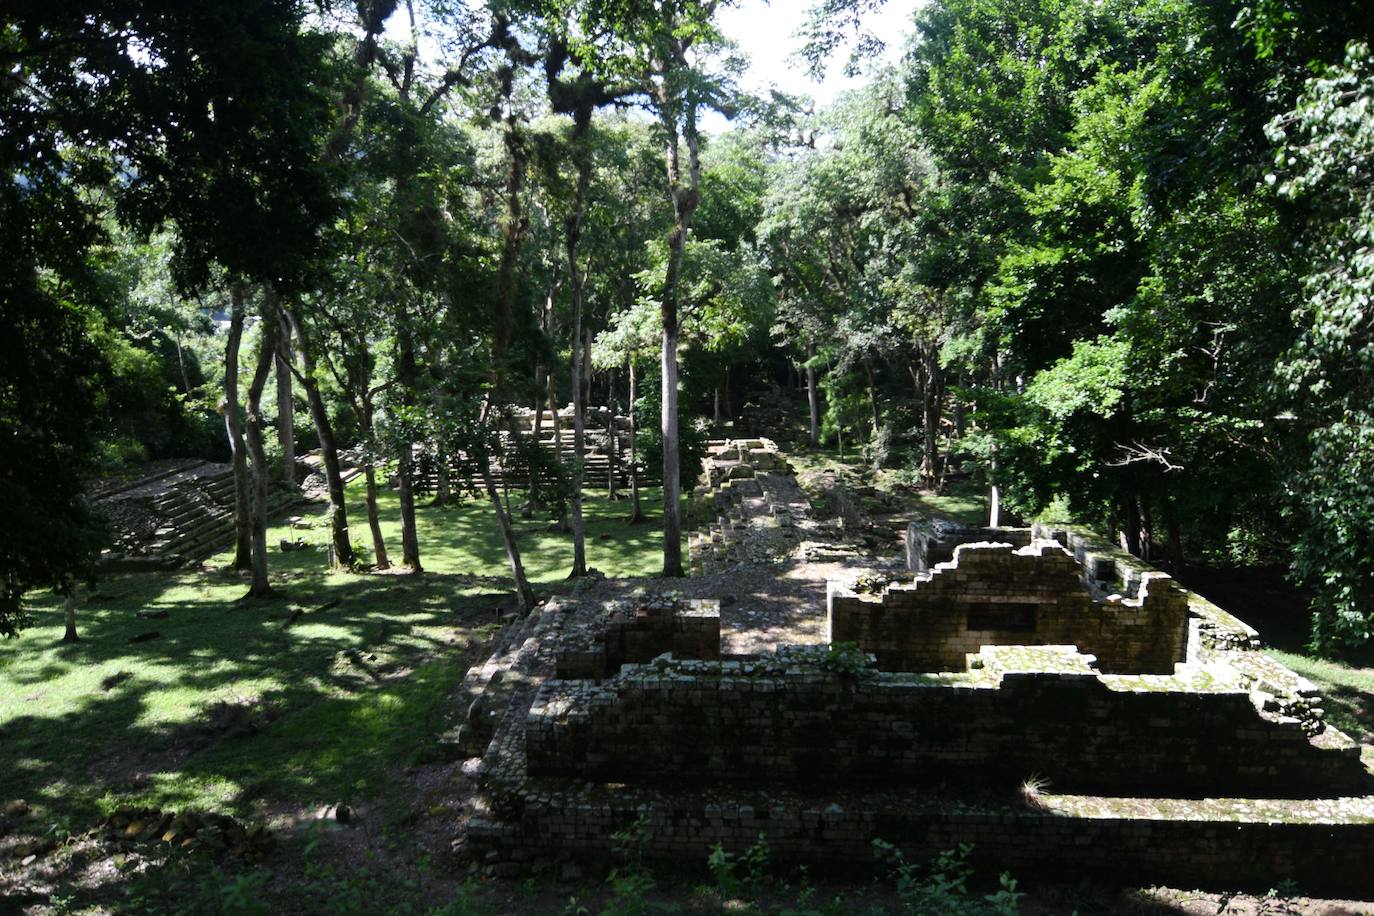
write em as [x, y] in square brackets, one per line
[784, 722]
[684, 628]
[993, 594]
[834, 833]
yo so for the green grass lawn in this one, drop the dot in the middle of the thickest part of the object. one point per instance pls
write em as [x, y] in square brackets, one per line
[462, 538]
[238, 706]
[1347, 689]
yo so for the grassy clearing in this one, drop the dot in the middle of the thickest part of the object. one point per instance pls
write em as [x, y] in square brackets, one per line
[462, 538]
[1347, 689]
[298, 699]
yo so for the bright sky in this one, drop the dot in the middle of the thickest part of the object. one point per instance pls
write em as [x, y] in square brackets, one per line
[766, 34]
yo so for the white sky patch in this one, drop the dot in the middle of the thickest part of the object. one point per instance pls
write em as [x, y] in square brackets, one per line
[766, 33]
[767, 36]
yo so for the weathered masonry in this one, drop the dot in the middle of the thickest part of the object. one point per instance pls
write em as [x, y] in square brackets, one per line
[791, 720]
[1007, 696]
[994, 594]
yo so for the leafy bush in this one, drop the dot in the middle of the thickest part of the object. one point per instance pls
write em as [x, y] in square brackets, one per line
[942, 886]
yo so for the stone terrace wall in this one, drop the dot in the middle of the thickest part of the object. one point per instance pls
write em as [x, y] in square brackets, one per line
[685, 628]
[781, 721]
[993, 594]
[835, 832]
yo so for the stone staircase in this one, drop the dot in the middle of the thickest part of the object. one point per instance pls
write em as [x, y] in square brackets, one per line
[748, 499]
[179, 518]
[509, 470]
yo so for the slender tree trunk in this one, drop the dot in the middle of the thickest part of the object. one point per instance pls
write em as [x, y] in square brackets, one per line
[581, 352]
[1175, 538]
[181, 363]
[728, 397]
[715, 408]
[612, 440]
[243, 527]
[286, 408]
[813, 398]
[552, 389]
[524, 595]
[579, 567]
[994, 493]
[932, 396]
[872, 397]
[69, 613]
[960, 417]
[515, 226]
[1131, 529]
[329, 451]
[636, 510]
[540, 383]
[686, 194]
[1147, 539]
[443, 485]
[407, 373]
[374, 522]
[672, 521]
[267, 355]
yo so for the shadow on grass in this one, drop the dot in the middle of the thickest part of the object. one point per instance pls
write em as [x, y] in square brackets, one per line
[327, 700]
[326, 686]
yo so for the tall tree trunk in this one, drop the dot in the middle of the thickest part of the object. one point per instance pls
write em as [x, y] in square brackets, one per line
[686, 194]
[243, 526]
[374, 522]
[181, 364]
[286, 408]
[537, 433]
[612, 439]
[515, 226]
[715, 408]
[329, 450]
[579, 566]
[267, 355]
[672, 486]
[932, 397]
[636, 510]
[443, 484]
[1130, 530]
[1175, 538]
[407, 374]
[1147, 538]
[69, 615]
[581, 350]
[872, 397]
[813, 397]
[994, 492]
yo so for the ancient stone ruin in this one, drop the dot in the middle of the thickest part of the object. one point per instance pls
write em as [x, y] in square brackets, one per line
[1061, 707]
[178, 514]
[605, 460]
[994, 594]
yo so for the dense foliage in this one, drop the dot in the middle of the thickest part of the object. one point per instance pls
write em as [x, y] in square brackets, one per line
[1111, 259]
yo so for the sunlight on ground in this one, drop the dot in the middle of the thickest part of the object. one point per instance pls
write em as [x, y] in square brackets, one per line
[292, 698]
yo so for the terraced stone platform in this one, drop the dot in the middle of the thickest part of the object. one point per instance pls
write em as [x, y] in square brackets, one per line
[1220, 771]
[176, 517]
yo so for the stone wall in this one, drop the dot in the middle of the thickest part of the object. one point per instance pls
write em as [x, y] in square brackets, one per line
[930, 542]
[684, 628]
[834, 833]
[994, 594]
[794, 720]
